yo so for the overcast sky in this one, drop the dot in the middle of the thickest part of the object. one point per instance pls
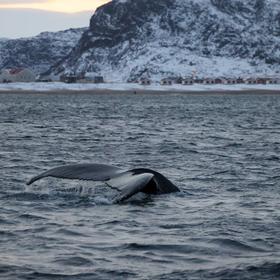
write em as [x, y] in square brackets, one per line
[67, 6]
[21, 18]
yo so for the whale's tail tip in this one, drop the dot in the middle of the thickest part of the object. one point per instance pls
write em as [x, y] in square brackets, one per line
[32, 180]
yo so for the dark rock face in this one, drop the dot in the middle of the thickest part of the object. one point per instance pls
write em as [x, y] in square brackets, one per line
[125, 19]
[40, 52]
[129, 39]
[115, 23]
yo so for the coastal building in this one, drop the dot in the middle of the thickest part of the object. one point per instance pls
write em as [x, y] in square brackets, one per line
[178, 80]
[17, 75]
[250, 81]
[166, 82]
[199, 81]
[261, 81]
[69, 78]
[144, 81]
[132, 80]
[240, 80]
[270, 81]
[230, 81]
[187, 81]
[90, 77]
[98, 79]
[219, 81]
[43, 78]
[209, 81]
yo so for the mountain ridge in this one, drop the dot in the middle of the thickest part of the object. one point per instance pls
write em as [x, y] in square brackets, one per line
[135, 38]
[38, 53]
[130, 39]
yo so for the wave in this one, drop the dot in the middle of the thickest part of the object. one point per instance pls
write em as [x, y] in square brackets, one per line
[264, 271]
[230, 244]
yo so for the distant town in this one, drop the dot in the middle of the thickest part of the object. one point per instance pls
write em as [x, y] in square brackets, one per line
[24, 75]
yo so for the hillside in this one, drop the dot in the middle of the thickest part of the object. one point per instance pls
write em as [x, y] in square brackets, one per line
[40, 52]
[157, 38]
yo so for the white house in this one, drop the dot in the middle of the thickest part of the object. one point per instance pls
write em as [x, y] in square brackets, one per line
[251, 81]
[144, 81]
[91, 77]
[229, 81]
[166, 82]
[187, 81]
[272, 81]
[208, 81]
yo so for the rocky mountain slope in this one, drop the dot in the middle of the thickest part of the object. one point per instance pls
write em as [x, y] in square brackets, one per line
[40, 52]
[128, 39]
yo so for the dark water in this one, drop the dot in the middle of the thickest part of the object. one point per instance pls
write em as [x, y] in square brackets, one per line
[222, 151]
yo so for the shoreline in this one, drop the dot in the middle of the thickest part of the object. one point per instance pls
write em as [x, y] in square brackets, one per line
[131, 89]
[143, 92]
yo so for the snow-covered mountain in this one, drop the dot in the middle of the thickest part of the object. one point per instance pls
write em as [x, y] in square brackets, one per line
[40, 52]
[128, 39]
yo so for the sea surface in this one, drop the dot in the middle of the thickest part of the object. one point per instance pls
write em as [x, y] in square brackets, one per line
[222, 151]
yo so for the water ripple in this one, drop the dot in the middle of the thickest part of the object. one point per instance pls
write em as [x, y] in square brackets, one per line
[221, 150]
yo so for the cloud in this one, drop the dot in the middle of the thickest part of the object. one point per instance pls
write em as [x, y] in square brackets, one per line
[22, 1]
[68, 6]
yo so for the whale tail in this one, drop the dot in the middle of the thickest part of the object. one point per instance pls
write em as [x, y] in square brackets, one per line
[127, 183]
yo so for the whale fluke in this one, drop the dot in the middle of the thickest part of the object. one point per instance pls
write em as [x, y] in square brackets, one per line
[128, 183]
[92, 172]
